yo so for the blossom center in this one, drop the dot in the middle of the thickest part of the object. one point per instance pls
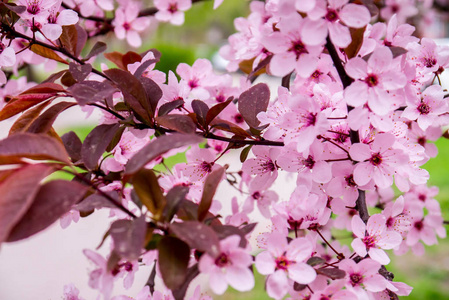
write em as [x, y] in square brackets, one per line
[206, 167]
[423, 108]
[33, 8]
[350, 180]
[298, 48]
[422, 197]
[429, 62]
[256, 195]
[331, 15]
[369, 241]
[126, 26]
[422, 140]
[356, 279]
[309, 162]
[269, 166]
[376, 159]
[238, 118]
[419, 225]
[371, 80]
[311, 119]
[172, 8]
[282, 263]
[222, 260]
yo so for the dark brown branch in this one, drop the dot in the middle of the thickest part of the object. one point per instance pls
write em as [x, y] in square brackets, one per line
[243, 142]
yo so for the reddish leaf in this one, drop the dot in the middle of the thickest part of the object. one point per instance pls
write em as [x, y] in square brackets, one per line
[47, 53]
[80, 72]
[17, 194]
[97, 201]
[81, 39]
[179, 293]
[397, 51]
[129, 237]
[91, 91]
[188, 211]
[174, 197]
[98, 48]
[198, 236]
[210, 187]
[144, 66]
[44, 122]
[69, 38]
[133, 92]
[230, 127]
[27, 118]
[174, 256]
[200, 109]
[223, 231]
[116, 58]
[73, 145]
[315, 261]
[153, 93]
[356, 42]
[254, 101]
[96, 143]
[44, 88]
[22, 103]
[332, 273]
[169, 106]
[53, 200]
[215, 110]
[150, 194]
[34, 146]
[156, 148]
[131, 57]
[180, 123]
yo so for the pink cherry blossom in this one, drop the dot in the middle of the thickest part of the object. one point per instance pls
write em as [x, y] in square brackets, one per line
[372, 81]
[230, 267]
[263, 166]
[71, 292]
[172, 10]
[128, 25]
[283, 261]
[378, 161]
[376, 238]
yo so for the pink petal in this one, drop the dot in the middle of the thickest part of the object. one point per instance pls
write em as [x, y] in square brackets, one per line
[360, 152]
[362, 173]
[265, 263]
[356, 68]
[217, 282]
[379, 255]
[314, 33]
[241, 279]
[277, 285]
[340, 35]
[302, 273]
[359, 247]
[299, 249]
[356, 94]
[282, 64]
[358, 226]
[354, 15]
[67, 17]
[375, 283]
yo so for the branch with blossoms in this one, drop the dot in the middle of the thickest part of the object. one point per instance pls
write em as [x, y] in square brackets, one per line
[352, 117]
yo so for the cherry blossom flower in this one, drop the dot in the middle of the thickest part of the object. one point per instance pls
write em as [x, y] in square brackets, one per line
[373, 79]
[263, 166]
[128, 25]
[364, 276]
[378, 161]
[329, 16]
[376, 238]
[38, 10]
[172, 10]
[230, 267]
[284, 260]
[71, 292]
[56, 19]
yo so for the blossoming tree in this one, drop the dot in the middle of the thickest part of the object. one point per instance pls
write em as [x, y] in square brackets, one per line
[359, 98]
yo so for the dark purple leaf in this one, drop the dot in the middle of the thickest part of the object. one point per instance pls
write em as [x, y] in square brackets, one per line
[332, 273]
[200, 109]
[174, 256]
[72, 144]
[397, 51]
[211, 183]
[144, 66]
[129, 237]
[34, 146]
[98, 48]
[97, 201]
[27, 118]
[91, 91]
[18, 9]
[53, 200]
[247, 229]
[157, 147]
[298, 286]
[180, 292]
[315, 261]
[96, 143]
[153, 92]
[254, 101]
[260, 68]
[169, 106]
[174, 197]
[116, 139]
[198, 236]
[150, 194]
[44, 122]
[188, 211]
[133, 92]
[179, 123]
[223, 231]
[69, 38]
[81, 39]
[17, 194]
[80, 72]
[215, 110]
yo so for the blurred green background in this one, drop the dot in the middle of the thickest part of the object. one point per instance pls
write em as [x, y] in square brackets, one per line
[204, 31]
